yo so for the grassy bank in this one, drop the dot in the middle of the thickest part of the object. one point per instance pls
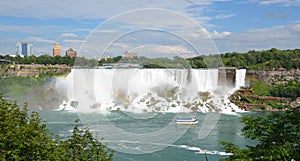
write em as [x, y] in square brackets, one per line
[267, 97]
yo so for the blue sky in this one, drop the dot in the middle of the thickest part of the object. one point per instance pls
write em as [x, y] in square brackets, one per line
[230, 25]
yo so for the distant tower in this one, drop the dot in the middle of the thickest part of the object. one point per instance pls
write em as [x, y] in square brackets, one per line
[24, 49]
[56, 49]
[71, 53]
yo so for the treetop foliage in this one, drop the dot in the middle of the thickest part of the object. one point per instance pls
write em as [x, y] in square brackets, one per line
[259, 60]
[278, 135]
[24, 137]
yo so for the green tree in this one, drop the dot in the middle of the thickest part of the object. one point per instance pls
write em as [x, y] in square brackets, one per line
[21, 136]
[278, 135]
[83, 146]
[24, 137]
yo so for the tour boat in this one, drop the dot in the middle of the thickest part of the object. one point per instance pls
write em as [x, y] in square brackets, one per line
[186, 121]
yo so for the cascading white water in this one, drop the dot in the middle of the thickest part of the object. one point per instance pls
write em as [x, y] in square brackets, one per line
[240, 78]
[151, 90]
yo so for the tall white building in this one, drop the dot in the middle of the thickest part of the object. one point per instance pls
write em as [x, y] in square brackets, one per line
[24, 49]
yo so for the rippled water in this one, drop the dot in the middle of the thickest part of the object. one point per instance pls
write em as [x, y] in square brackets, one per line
[187, 147]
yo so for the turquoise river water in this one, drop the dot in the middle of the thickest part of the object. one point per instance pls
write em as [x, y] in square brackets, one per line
[187, 147]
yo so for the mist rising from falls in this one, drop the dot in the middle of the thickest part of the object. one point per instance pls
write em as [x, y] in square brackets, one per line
[151, 90]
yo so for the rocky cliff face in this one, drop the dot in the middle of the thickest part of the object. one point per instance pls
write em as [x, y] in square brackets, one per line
[35, 70]
[275, 76]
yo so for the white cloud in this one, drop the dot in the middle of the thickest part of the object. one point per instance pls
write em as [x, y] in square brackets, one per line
[294, 28]
[71, 38]
[88, 9]
[224, 15]
[102, 10]
[75, 41]
[28, 29]
[124, 46]
[280, 36]
[68, 35]
[156, 50]
[41, 30]
[283, 37]
[38, 39]
[143, 27]
[279, 2]
[214, 34]
[171, 49]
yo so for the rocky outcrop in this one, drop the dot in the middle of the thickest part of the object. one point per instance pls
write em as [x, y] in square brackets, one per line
[275, 76]
[35, 70]
[295, 103]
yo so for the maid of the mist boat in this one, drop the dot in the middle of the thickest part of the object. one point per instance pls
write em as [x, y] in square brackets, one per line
[186, 121]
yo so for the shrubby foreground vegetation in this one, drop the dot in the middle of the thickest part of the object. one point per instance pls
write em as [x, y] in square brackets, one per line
[278, 135]
[24, 137]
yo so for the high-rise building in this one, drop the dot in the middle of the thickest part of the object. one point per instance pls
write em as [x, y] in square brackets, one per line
[24, 49]
[56, 49]
[71, 53]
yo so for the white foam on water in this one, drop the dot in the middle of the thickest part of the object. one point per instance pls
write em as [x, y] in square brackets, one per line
[201, 151]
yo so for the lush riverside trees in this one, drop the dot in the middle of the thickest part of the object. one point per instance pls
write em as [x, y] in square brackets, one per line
[278, 135]
[259, 60]
[24, 137]
[43, 59]
[291, 89]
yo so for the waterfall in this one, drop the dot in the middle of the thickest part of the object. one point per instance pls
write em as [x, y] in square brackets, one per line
[240, 78]
[151, 90]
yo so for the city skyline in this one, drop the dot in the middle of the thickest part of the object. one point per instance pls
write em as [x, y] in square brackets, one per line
[25, 49]
[232, 25]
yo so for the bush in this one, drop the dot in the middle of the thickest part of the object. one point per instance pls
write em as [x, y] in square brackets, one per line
[24, 137]
[278, 136]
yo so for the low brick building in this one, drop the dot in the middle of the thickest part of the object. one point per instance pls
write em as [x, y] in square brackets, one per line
[71, 53]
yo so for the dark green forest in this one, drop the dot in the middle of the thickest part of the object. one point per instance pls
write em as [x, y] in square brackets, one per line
[291, 89]
[49, 60]
[259, 60]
